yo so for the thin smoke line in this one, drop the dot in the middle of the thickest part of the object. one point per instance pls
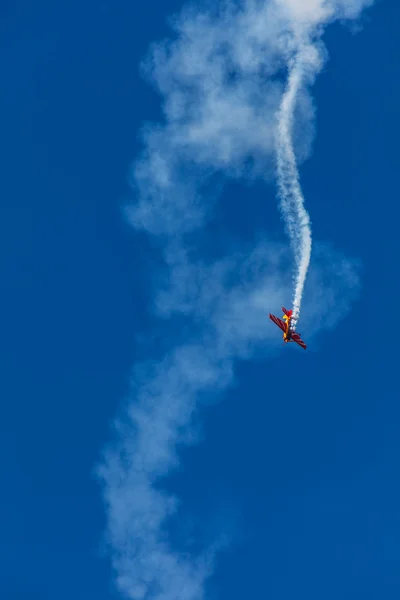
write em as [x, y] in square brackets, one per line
[289, 189]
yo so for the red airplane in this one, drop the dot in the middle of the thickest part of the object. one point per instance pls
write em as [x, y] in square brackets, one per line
[289, 335]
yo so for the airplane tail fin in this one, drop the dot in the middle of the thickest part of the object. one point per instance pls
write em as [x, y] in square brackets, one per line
[288, 313]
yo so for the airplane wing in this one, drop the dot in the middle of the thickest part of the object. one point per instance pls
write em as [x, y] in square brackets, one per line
[278, 322]
[296, 338]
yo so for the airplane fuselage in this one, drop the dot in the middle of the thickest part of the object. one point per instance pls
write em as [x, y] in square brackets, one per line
[287, 335]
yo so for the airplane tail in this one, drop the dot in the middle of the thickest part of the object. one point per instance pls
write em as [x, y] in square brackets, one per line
[288, 313]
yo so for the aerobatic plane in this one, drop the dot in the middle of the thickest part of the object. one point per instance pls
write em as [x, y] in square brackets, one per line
[289, 334]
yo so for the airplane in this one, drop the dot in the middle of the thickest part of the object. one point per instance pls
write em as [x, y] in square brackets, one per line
[289, 334]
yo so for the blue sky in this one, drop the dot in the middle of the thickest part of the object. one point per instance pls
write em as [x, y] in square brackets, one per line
[296, 469]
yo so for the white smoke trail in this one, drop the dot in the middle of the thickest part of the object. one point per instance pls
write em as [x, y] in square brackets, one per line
[307, 21]
[305, 63]
[219, 79]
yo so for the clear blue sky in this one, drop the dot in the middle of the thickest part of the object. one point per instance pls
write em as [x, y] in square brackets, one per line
[300, 461]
